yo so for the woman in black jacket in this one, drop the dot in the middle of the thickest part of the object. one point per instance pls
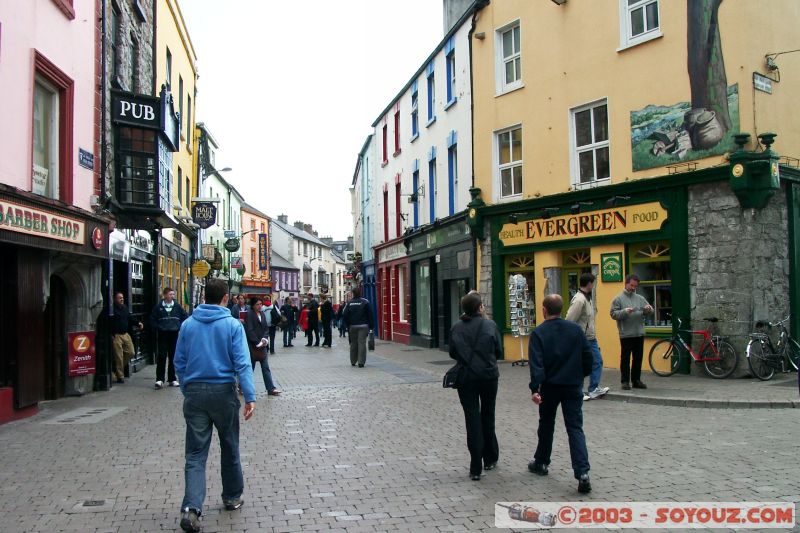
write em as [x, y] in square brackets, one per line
[257, 332]
[475, 343]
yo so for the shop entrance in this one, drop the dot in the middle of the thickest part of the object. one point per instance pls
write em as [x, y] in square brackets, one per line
[55, 323]
[574, 263]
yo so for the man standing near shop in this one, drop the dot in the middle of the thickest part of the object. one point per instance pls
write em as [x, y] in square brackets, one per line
[582, 312]
[211, 354]
[165, 321]
[357, 315]
[313, 318]
[121, 342]
[628, 309]
[559, 358]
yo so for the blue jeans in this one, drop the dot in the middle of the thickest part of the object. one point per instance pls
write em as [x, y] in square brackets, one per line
[571, 400]
[597, 365]
[266, 373]
[207, 405]
[288, 335]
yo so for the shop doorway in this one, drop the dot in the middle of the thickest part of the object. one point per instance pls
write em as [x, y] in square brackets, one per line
[574, 263]
[454, 290]
[55, 323]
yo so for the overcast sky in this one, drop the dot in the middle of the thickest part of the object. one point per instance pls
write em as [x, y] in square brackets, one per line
[290, 89]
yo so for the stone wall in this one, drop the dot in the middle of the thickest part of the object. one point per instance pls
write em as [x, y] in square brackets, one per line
[485, 285]
[738, 261]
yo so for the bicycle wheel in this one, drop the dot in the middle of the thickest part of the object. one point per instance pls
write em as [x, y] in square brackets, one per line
[664, 357]
[725, 365]
[758, 359]
[793, 353]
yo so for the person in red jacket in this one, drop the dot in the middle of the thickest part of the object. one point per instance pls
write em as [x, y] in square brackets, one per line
[303, 322]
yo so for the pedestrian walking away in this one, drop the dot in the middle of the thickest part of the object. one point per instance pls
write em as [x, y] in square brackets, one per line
[357, 315]
[210, 355]
[326, 309]
[288, 314]
[273, 319]
[629, 309]
[121, 343]
[582, 311]
[165, 320]
[313, 319]
[303, 323]
[256, 328]
[339, 322]
[559, 358]
[476, 344]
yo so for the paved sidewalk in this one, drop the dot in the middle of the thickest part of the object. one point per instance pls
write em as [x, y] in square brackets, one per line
[380, 448]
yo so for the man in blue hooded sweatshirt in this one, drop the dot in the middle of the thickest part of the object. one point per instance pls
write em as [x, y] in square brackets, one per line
[211, 352]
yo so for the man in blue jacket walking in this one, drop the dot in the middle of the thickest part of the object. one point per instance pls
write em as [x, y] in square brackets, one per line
[560, 357]
[211, 353]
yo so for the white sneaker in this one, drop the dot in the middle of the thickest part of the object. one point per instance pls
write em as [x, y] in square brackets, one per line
[174, 383]
[586, 397]
[599, 391]
[159, 384]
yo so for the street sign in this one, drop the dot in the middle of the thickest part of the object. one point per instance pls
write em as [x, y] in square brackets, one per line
[231, 245]
[200, 269]
[230, 234]
[204, 214]
[236, 262]
[762, 83]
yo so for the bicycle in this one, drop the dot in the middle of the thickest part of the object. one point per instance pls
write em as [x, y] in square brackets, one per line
[717, 355]
[764, 358]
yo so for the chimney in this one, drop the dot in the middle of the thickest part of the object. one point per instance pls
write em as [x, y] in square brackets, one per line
[298, 224]
[308, 228]
[453, 10]
[283, 218]
[327, 240]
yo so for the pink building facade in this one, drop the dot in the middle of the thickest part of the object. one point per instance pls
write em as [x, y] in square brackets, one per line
[53, 244]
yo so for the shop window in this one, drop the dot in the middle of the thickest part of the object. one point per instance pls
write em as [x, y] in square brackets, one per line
[651, 262]
[590, 147]
[401, 293]
[252, 230]
[519, 264]
[574, 263]
[509, 161]
[423, 307]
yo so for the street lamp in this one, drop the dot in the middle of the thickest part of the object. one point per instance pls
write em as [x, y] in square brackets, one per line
[216, 171]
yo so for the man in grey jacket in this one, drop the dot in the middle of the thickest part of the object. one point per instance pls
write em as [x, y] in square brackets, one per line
[581, 311]
[628, 309]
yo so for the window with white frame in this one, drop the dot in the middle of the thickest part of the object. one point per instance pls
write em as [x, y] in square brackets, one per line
[509, 58]
[590, 148]
[639, 21]
[431, 97]
[414, 112]
[509, 161]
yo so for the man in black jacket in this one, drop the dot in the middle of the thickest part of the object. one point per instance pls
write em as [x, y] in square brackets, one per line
[313, 318]
[358, 317]
[327, 318]
[165, 320]
[287, 312]
[560, 357]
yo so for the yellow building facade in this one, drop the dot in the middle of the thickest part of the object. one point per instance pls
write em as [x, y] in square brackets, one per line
[605, 138]
[176, 67]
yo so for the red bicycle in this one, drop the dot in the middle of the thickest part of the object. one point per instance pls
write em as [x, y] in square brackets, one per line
[717, 355]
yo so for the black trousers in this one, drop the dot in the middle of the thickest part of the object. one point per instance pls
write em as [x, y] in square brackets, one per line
[167, 340]
[478, 399]
[631, 346]
[314, 328]
[571, 400]
[326, 332]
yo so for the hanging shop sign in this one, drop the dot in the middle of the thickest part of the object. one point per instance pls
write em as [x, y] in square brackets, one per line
[36, 222]
[615, 221]
[135, 110]
[216, 264]
[204, 214]
[263, 259]
[231, 245]
[201, 268]
[236, 262]
[97, 238]
[81, 353]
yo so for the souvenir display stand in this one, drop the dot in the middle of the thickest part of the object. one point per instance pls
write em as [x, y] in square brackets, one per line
[521, 313]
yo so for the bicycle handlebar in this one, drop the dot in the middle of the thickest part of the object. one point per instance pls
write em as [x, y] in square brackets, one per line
[710, 319]
[767, 323]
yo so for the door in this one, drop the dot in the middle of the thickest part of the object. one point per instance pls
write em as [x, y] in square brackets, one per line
[55, 353]
[575, 263]
[454, 290]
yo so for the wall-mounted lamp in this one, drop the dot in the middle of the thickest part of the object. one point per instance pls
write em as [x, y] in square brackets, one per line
[576, 207]
[480, 35]
[547, 212]
[414, 196]
[560, 2]
[612, 202]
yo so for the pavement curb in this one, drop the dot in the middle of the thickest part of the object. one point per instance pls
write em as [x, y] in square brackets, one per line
[704, 403]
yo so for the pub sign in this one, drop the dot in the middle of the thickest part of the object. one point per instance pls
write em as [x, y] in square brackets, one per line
[204, 214]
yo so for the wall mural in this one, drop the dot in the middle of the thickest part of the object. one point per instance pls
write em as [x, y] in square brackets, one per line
[704, 126]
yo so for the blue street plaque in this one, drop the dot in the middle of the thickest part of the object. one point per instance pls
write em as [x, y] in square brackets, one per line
[85, 159]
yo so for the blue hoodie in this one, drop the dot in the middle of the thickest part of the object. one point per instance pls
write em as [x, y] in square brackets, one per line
[212, 349]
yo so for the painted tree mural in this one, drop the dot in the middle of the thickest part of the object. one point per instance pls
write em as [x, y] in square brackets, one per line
[709, 84]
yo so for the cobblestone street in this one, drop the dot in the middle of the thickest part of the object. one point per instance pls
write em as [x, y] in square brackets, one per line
[373, 449]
